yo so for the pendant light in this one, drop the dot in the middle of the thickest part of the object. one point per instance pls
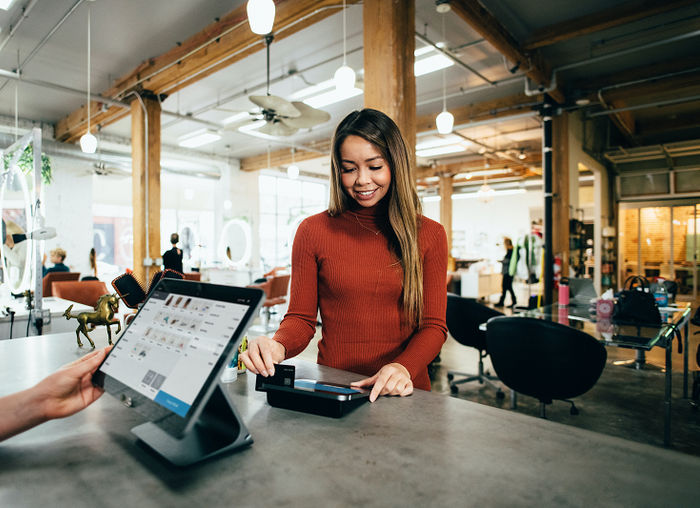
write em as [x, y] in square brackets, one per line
[344, 77]
[444, 121]
[88, 142]
[261, 16]
[485, 192]
[293, 169]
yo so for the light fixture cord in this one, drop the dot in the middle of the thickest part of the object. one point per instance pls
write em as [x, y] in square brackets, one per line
[88, 70]
[444, 96]
[344, 34]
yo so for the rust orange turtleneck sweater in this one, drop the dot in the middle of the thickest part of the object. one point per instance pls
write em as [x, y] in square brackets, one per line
[343, 266]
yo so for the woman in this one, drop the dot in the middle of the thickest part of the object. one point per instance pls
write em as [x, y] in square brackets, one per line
[373, 266]
[507, 282]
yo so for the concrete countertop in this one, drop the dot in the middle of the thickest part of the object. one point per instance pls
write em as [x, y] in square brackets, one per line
[425, 450]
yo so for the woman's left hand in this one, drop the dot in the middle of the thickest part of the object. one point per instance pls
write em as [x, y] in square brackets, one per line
[392, 379]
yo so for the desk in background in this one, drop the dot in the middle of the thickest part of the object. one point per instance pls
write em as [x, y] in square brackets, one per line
[630, 336]
[55, 306]
[424, 450]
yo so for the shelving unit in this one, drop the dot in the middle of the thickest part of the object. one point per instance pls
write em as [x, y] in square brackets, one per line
[608, 268]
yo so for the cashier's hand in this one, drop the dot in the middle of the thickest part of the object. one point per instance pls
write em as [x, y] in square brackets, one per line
[392, 379]
[262, 355]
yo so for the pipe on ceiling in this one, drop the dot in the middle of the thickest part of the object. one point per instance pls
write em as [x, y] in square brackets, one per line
[668, 102]
[25, 12]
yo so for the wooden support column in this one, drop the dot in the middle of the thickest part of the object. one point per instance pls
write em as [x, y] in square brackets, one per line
[446, 213]
[389, 40]
[560, 189]
[145, 176]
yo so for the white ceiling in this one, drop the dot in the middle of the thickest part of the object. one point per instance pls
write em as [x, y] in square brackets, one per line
[127, 32]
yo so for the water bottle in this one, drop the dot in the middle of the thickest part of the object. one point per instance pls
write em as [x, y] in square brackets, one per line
[661, 295]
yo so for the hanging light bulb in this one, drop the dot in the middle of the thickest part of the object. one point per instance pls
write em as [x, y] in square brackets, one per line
[261, 16]
[445, 120]
[88, 142]
[522, 155]
[344, 77]
[293, 169]
[485, 192]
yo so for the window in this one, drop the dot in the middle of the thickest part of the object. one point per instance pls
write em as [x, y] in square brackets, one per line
[284, 203]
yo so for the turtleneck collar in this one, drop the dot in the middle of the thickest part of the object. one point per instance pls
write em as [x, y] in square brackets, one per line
[379, 211]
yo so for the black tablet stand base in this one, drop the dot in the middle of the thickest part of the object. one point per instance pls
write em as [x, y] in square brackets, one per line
[218, 429]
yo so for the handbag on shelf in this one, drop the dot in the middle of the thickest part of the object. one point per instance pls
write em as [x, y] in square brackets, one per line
[636, 304]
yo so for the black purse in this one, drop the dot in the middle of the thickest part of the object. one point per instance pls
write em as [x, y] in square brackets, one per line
[636, 304]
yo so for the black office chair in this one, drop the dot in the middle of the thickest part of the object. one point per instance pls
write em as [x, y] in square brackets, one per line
[464, 315]
[543, 359]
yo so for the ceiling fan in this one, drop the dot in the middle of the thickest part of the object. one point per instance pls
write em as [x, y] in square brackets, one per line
[282, 117]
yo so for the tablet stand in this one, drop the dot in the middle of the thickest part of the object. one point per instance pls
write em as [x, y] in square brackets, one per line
[218, 429]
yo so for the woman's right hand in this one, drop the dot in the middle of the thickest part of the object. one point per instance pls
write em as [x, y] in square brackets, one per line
[262, 355]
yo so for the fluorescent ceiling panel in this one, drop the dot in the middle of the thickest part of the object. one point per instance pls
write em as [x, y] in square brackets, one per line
[435, 141]
[198, 138]
[5, 4]
[431, 64]
[440, 150]
[331, 97]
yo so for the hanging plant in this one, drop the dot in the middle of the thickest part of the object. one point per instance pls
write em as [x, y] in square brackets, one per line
[26, 163]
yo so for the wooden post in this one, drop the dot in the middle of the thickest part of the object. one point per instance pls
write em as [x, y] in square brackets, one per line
[389, 41]
[560, 189]
[145, 176]
[446, 211]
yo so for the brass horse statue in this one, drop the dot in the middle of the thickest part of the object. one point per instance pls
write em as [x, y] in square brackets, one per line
[103, 314]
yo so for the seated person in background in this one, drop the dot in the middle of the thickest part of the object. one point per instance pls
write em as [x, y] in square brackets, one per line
[173, 258]
[61, 394]
[372, 263]
[58, 255]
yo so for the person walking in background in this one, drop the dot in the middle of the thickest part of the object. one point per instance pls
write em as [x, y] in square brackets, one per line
[507, 282]
[172, 258]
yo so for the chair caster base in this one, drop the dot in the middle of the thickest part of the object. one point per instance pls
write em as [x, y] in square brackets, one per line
[454, 389]
[450, 377]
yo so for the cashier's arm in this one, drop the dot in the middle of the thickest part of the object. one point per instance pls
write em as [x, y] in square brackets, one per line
[61, 394]
[392, 379]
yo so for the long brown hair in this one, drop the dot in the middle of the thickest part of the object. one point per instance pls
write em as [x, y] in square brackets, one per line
[404, 207]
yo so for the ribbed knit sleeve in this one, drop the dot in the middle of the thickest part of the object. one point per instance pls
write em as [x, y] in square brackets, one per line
[426, 342]
[299, 323]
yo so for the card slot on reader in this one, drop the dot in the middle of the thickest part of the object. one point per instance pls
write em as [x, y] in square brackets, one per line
[308, 395]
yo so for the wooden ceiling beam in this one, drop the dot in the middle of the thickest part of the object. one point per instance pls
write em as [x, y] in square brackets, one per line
[509, 167]
[491, 29]
[219, 45]
[601, 20]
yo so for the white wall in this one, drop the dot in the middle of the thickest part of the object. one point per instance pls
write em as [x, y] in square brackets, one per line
[68, 208]
[478, 228]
